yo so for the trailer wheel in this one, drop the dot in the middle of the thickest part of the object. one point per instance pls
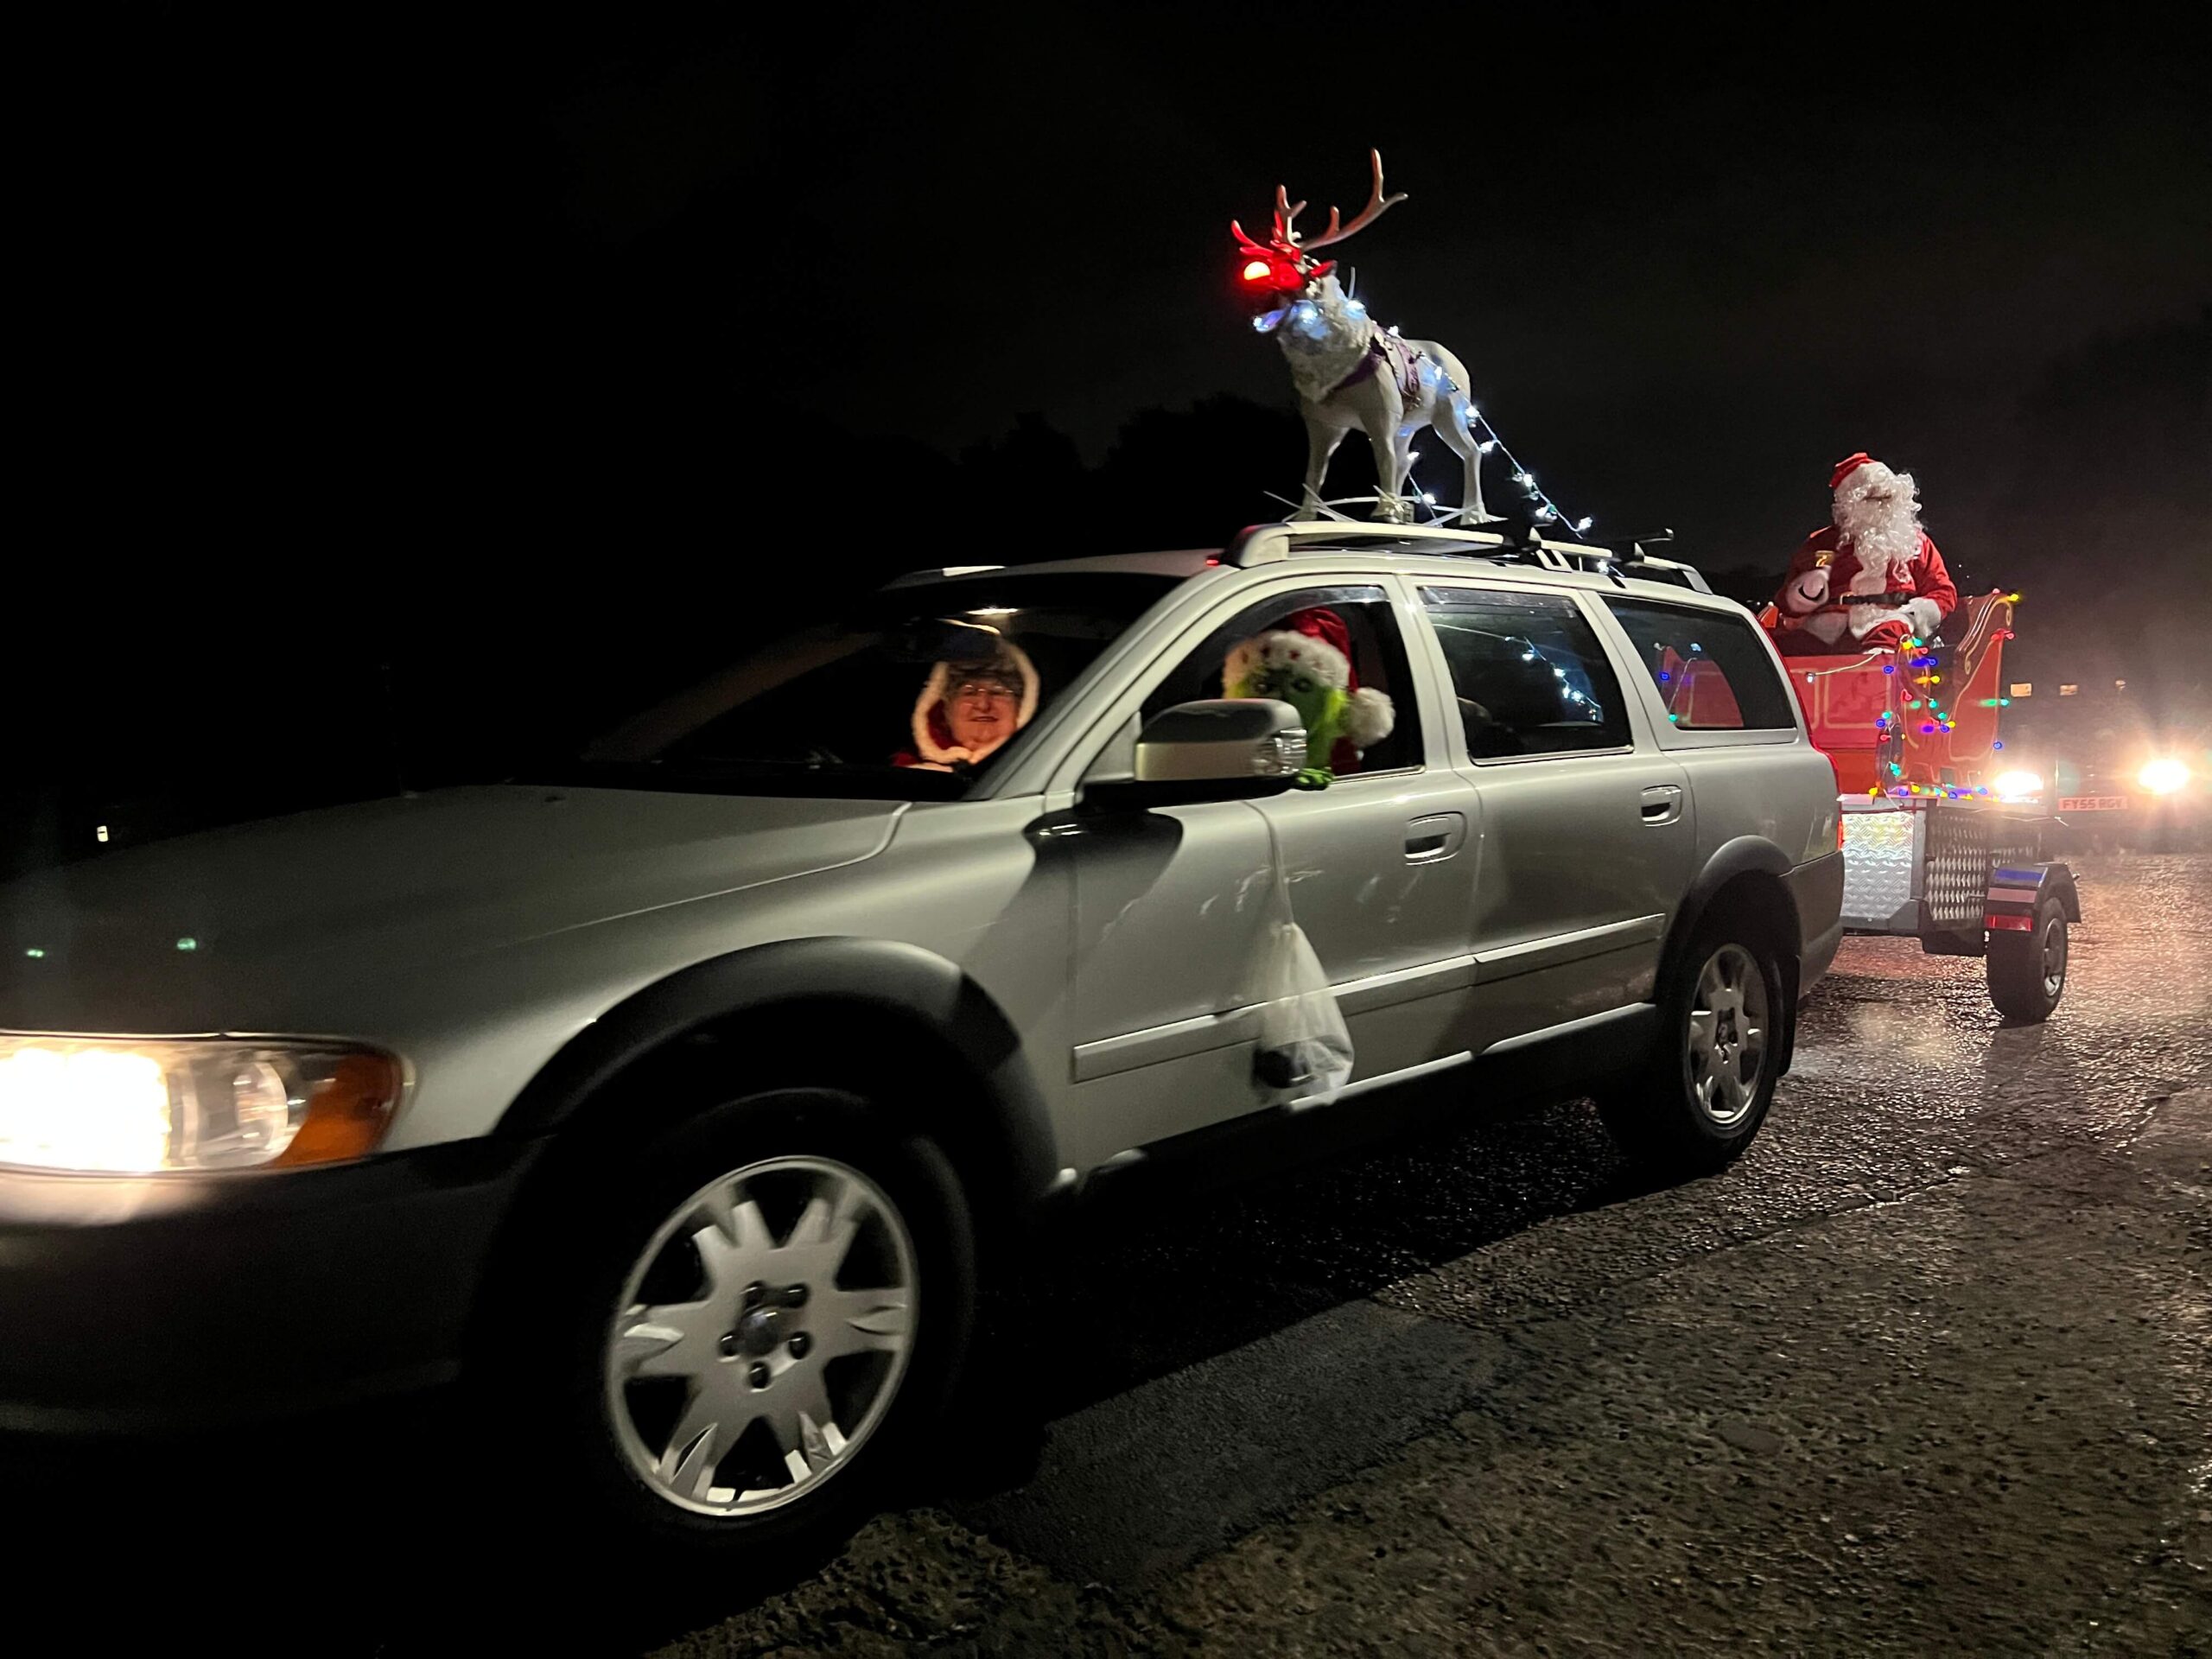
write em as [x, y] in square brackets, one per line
[2027, 971]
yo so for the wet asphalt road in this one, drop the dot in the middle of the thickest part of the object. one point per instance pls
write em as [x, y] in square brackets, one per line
[1929, 1370]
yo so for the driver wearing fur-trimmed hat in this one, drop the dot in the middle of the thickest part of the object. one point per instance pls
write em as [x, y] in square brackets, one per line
[969, 711]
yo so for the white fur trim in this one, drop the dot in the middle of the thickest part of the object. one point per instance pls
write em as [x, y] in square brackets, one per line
[1288, 648]
[1925, 617]
[1369, 717]
[1865, 618]
[933, 694]
[1883, 535]
[1806, 594]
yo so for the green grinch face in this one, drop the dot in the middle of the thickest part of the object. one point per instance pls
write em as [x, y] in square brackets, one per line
[1320, 707]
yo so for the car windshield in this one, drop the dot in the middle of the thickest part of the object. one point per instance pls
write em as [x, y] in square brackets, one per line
[910, 694]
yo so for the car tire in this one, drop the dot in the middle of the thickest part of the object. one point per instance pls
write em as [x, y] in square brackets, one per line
[701, 1277]
[1700, 1097]
[2027, 971]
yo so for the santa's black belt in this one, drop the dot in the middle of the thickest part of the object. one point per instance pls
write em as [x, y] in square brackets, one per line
[1884, 599]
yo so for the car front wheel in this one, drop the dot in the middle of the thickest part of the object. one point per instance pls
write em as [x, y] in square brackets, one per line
[748, 1360]
[776, 1304]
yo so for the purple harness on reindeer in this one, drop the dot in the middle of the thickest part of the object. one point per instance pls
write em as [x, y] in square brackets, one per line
[1386, 348]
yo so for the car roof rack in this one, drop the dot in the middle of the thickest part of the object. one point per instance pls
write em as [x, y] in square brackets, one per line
[1270, 544]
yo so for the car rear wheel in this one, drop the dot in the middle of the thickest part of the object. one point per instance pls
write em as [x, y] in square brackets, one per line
[1705, 1090]
[772, 1310]
[2027, 971]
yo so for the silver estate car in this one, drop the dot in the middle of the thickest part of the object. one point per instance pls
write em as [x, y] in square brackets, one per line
[672, 1089]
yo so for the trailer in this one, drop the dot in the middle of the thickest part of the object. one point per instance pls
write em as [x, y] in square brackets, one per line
[1942, 839]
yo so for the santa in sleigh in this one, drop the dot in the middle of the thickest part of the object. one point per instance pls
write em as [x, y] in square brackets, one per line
[1872, 578]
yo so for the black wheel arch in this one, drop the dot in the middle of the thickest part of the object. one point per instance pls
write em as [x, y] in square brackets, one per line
[941, 1054]
[2058, 883]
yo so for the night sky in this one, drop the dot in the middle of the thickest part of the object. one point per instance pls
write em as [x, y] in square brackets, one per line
[402, 346]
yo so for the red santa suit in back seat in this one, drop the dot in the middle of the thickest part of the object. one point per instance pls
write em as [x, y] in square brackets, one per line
[1873, 577]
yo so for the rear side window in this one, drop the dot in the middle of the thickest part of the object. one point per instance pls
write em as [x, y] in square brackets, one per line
[1711, 670]
[1528, 673]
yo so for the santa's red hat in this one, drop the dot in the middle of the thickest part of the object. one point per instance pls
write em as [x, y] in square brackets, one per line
[1316, 641]
[1847, 465]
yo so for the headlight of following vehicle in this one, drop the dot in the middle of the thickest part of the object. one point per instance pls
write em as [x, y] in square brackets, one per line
[2019, 785]
[120, 1108]
[2163, 777]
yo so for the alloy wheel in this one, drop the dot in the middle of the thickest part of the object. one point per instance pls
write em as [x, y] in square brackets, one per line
[761, 1335]
[1726, 1042]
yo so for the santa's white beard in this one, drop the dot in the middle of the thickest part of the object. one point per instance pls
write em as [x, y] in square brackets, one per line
[1883, 534]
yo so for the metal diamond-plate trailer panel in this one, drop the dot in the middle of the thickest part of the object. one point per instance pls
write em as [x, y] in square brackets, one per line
[1881, 859]
[1964, 844]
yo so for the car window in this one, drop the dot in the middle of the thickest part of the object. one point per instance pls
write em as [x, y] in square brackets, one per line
[1378, 666]
[1712, 668]
[913, 693]
[1528, 673]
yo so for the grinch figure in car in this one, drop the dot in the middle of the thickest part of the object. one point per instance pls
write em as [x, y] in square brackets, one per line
[1306, 662]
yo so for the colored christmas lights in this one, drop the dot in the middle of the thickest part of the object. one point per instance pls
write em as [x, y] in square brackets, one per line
[1933, 719]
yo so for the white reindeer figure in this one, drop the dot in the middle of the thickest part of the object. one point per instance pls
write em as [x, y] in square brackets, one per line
[1350, 373]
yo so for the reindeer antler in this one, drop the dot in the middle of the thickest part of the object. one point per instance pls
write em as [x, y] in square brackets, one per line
[1377, 205]
[1286, 239]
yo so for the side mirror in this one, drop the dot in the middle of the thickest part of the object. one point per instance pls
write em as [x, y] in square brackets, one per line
[1224, 749]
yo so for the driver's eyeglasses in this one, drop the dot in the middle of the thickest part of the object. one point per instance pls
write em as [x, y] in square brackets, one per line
[982, 690]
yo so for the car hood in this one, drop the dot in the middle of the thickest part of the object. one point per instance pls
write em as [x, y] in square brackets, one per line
[203, 933]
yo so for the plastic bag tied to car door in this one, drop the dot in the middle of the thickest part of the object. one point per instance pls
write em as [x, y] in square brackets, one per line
[1304, 1053]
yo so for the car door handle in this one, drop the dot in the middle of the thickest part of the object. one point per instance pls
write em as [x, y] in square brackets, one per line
[1435, 837]
[1663, 803]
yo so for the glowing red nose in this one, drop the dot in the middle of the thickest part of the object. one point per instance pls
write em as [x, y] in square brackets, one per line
[1257, 271]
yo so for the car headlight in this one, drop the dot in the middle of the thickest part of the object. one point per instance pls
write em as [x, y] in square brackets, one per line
[2016, 785]
[2163, 776]
[98, 1106]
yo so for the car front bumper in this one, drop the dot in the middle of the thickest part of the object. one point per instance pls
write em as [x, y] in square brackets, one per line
[132, 1304]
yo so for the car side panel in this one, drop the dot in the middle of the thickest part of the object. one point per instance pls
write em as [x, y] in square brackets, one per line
[1574, 886]
[1781, 792]
[966, 882]
[1171, 908]
[1172, 911]
[1571, 874]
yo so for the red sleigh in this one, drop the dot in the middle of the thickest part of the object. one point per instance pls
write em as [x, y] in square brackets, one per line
[1938, 842]
[1921, 719]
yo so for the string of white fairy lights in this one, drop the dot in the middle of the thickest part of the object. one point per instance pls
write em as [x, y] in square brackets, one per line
[1488, 440]
[1543, 511]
